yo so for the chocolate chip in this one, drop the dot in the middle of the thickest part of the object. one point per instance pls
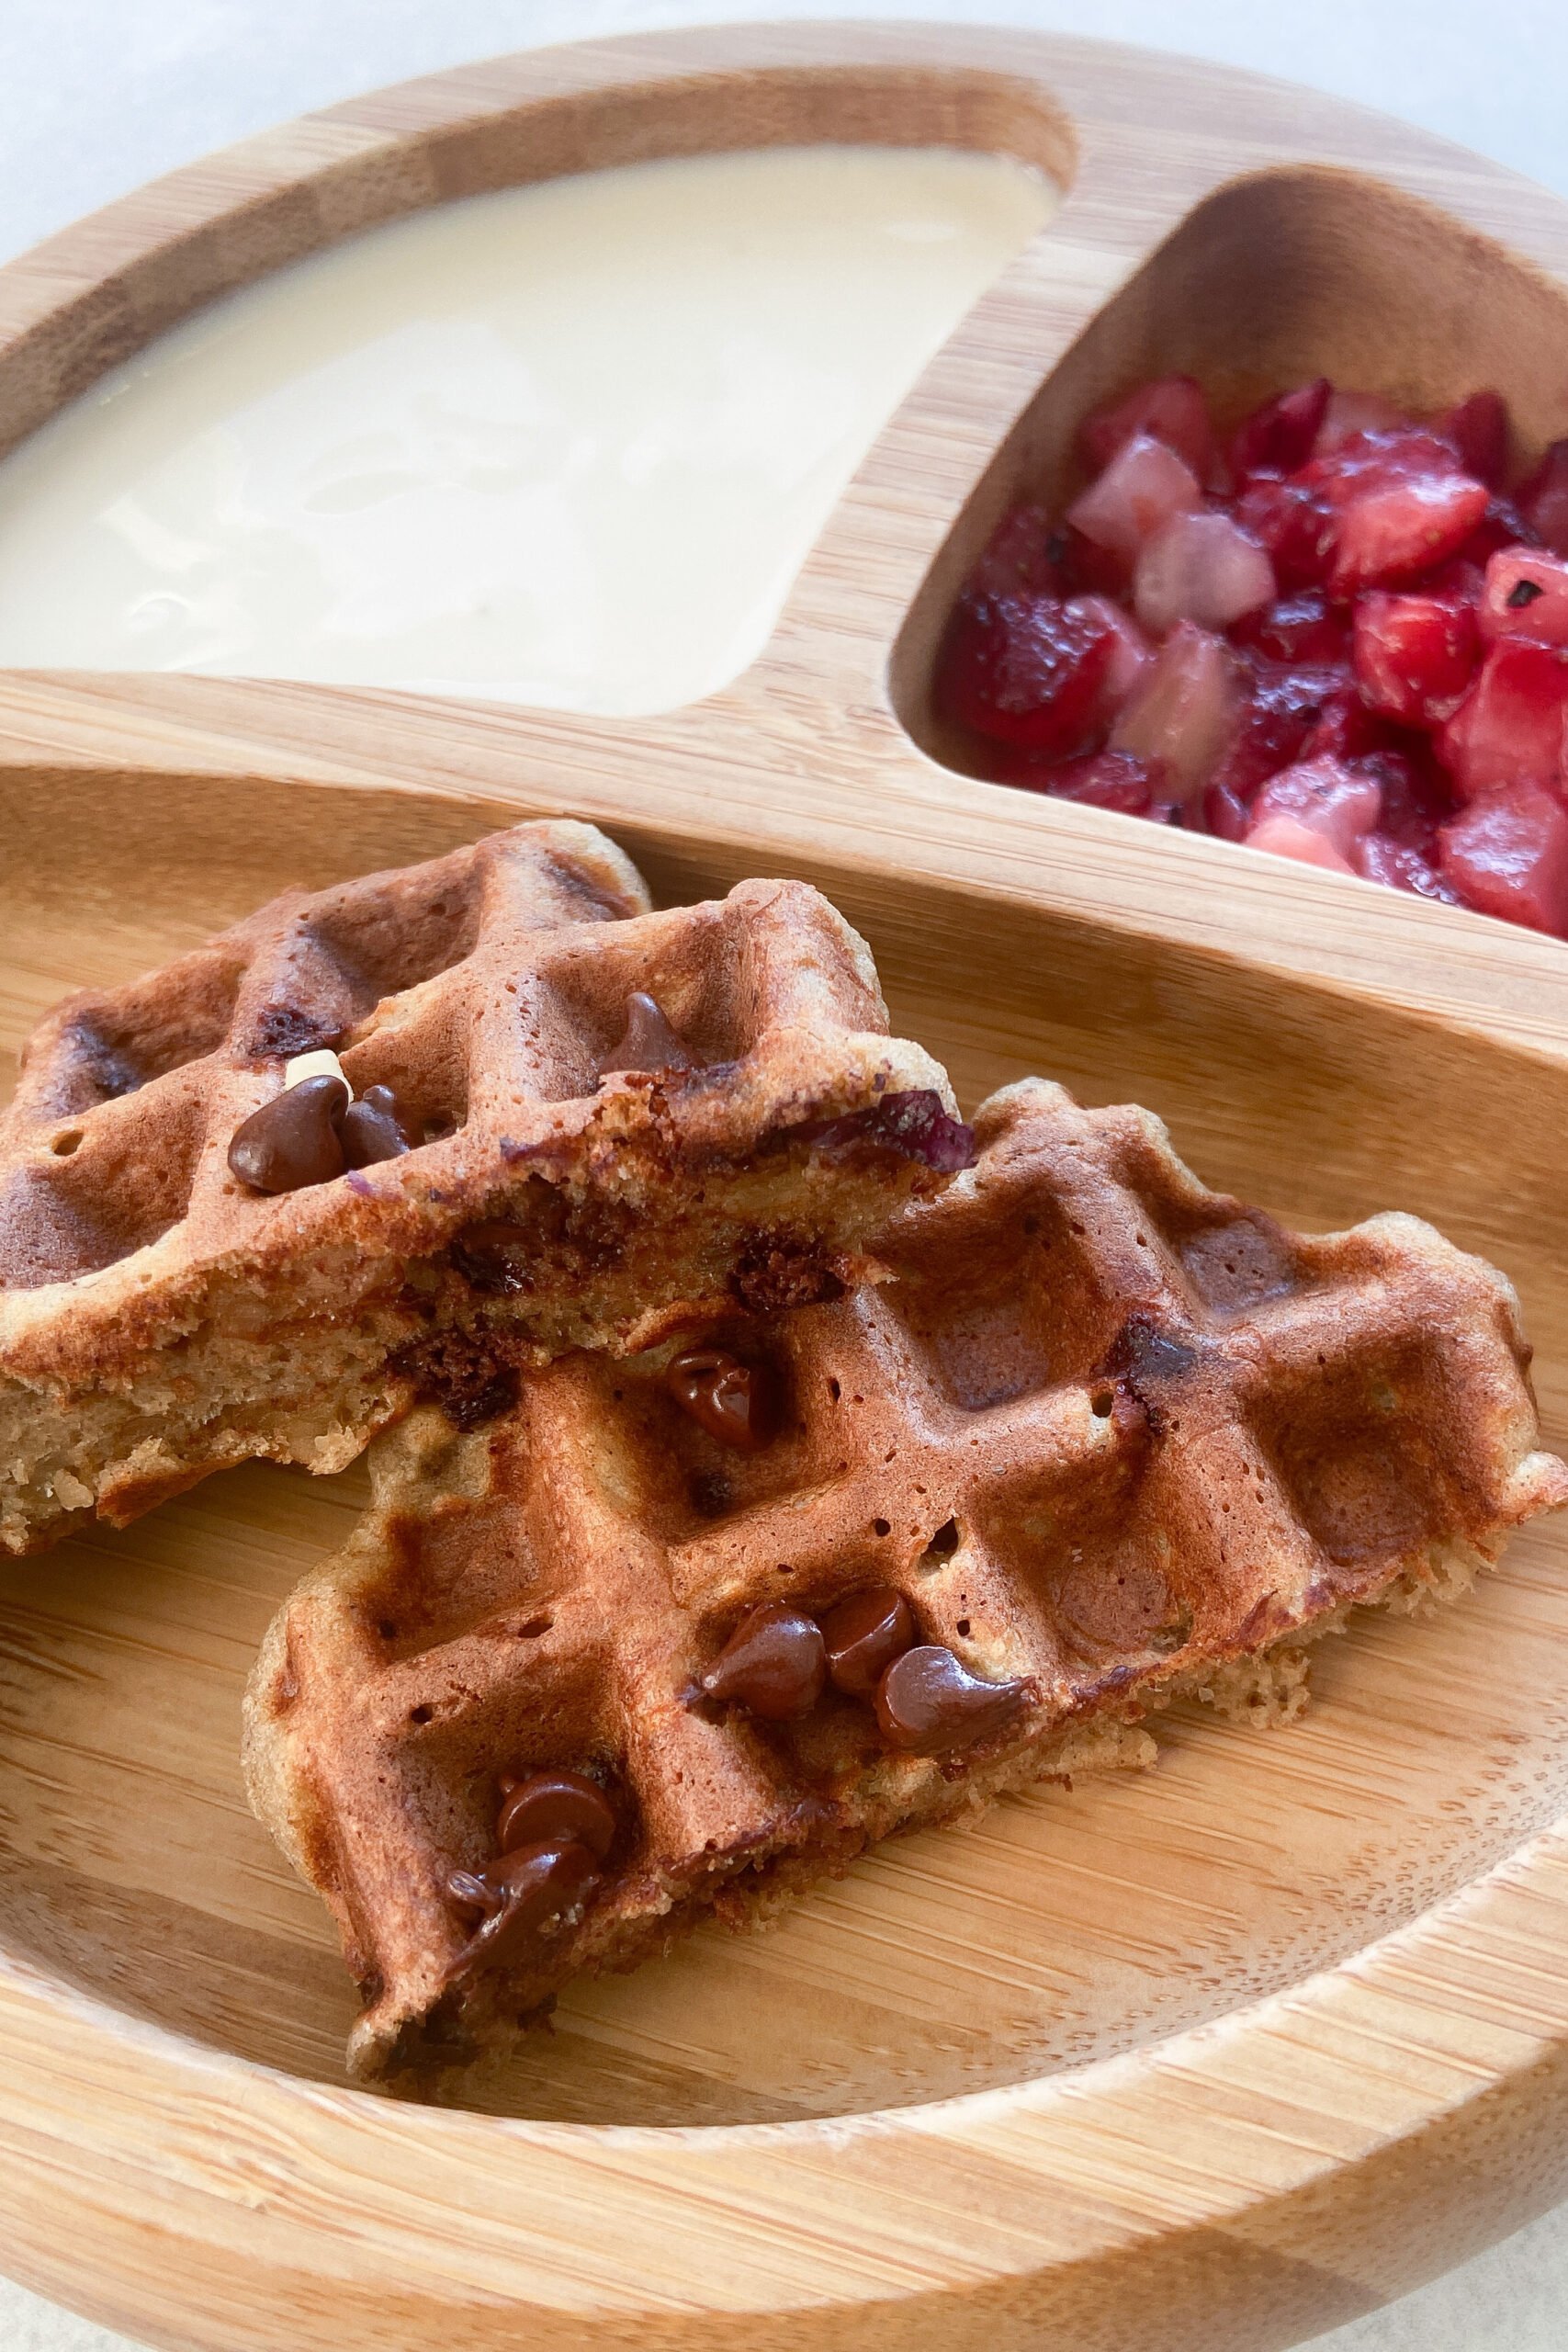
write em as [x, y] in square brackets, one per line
[494, 1256]
[864, 1634]
[555, 1808]
[775, 1663]
[531, 1890]
[293, 1140]
[649, 1043]
[377, 1126]
[928, 1702]
[724, 1396]
[472, 1893]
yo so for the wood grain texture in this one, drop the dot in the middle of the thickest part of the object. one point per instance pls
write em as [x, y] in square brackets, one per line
[1216, 2059]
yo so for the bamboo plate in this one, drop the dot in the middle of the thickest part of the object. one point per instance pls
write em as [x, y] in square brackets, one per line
[1219, 2057]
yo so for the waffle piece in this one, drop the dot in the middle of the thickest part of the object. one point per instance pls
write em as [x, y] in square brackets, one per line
[635, 1117]
[1112, 1437]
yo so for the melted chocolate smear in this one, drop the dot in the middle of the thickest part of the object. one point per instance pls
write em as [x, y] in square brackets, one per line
[557, 1809]
[915, 1124]
[294, 1141]
[726, 1398]
[492, 1257]
[928, 1702]
[649, 1044]
[533, 1891]
[778, 1270]
[775, 1663]
[865, 1633]
[1144, 1349]
[463, 1376]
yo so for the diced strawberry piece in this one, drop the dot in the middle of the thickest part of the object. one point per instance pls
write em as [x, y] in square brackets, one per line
[1478, 428]
[1394, 523]
[1415, 795]
[1141, 489]
[1398, 867]
[1526, 594]
[1543, 499]
[1171, 409]
[1114, 780]
[1345, 414]
[1293, 523]
[1297, 628]
[1023, 554]
[1346, 729]
[1287, 837]
[1415, 655]
[1279, 435]
[1131, 652]
[1280, 708]
[1502, 526]
[1200, 568]
[1225, 813]
[1509, 727]
[1090, 570]
[1183, 710]
[1340, 802]
[1507, 853]
[1027, 670]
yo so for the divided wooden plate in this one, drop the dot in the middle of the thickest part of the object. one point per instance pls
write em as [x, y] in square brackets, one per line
[1218, 2057]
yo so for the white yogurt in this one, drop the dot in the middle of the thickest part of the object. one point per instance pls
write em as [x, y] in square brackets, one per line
[566, 445]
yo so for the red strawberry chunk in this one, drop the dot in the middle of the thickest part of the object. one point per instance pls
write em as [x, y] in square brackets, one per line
[1526, 594]
[1280, 710]
[1115, 780]
[1509, 727]
[1508, 855]
[1183, 711]
[1289, 837]
[1415, 655]
[1340, 802]
[1225, 814]
[1279, 435]
[1348, 414]
[1200, 568]
[1502, 526]
[1293, 523]
[1415, 795]
[1027, 670]
[1172, 409]
[1396, 522]
[1297, 628]
[1024, 552]
[1478, 428]
[1141, 489]
[1543, 499]
[1399, 867]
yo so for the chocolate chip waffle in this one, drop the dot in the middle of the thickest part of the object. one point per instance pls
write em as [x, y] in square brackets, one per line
[572, 1120]
[683, 1631]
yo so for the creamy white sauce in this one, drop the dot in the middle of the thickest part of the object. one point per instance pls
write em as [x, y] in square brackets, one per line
[566, 445]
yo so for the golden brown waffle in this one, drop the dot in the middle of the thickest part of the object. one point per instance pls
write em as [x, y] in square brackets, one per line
[159, 1317]
[1112, 1436]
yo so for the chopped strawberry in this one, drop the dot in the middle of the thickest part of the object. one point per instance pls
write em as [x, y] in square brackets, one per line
[1415, 795]
[1090, 570]
[1279, 435]
[1347, 414]
[1287, 837]
[1398, 519]
[1225, 813]
[1510, 728]
[1297, 628]
[1478, 428]
[1024, 553]
[1131, 652]
[1543, 499]
[1398, 867]
[1526, 594]
[1172, 409]
[1340, 802]
[1115, 780]
[1293, 523]
[1029, 669]
[1346, 729]
[1183, 711]
[1280, 708]
[1415, 655]
[1502, 526]
[1141, 489]
[1200, 568]
[1507, 853]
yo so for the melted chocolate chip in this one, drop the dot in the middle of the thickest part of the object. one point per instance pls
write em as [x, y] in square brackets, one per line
[724, 1396]
[915, 1124]
[865, 1633]
[493, 1255]
[293, 1140]
[649, 1043]
[556, 1808]
[530, 1890]
[377, 1126]
[928, 1702]
[775, 1663]
[1144, 1349]
[470, 1893]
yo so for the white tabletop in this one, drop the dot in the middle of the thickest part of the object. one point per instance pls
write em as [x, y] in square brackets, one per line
[101, 94]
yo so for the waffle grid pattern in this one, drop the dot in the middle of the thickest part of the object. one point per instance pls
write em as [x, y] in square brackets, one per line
[1105, 1429]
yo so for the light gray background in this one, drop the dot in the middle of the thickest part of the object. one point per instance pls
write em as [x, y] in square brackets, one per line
[97, 95]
